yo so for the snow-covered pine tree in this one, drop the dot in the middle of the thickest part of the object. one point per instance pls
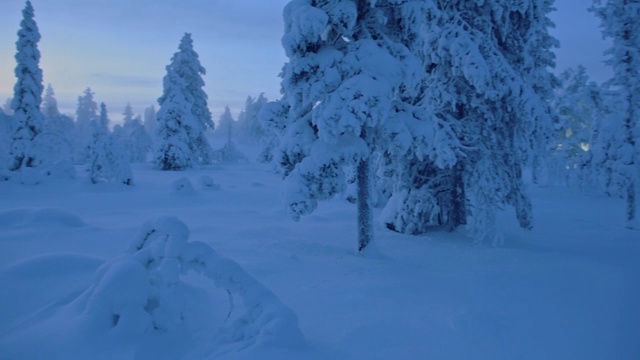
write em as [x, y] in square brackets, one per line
[86, 112]
[527, 44]
[132, 137]
[127, 114]
[49, 105]
[57, 137]
[578, 108]
[352, 88]
[249, 126]
[27, 95]
[619, 21]
[605, 140]
[186, 65]
[227, 125]
[482, 81]
[107, 161]
[150, 120]
[139, 140]
[176, 123]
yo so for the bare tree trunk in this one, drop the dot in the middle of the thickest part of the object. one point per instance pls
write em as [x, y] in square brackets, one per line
[458, 214]
[365, 218]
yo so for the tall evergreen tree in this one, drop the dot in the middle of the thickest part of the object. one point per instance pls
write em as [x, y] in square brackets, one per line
[57, 137]
[227, 125]
[27, 119]
[86, 112]
[107, 161]
[482, 79]
[186, 65]
[578, 106]
[249, 126]
[127, 114]
[353, 87]
[132, 137]
[49, 106]
[176, 124]
[619, 19]
[150, 119]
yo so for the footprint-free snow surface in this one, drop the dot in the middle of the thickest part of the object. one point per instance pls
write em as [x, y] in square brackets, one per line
[205, 264]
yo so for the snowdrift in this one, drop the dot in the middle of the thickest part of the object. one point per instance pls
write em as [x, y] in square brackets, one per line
[147, 304]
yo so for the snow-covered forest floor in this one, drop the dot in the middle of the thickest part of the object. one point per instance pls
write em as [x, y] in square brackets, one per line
[566, 290]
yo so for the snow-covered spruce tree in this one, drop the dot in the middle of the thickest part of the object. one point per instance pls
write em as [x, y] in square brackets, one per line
[578, 109]
[482, 80]
[619, 19]
[351, 90]
[249, 126]
[132, 137]
[107, 161]
[86, 112]
[49, 107]
[176, 122]
[227, 124]
[150, 120]
[525, 41]
[27, 95]
[416, 174]
[227, 127]
[186, 65]
[58, 135]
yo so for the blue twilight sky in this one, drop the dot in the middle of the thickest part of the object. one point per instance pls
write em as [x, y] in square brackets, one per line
[120, 48]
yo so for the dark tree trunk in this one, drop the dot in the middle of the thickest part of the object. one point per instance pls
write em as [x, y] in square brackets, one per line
[365, 217]
[458, 215]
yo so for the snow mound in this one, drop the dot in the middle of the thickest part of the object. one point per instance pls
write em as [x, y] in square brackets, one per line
[206, 182]
[140, 302]
[183, 186]
[39, 217]
[51, 277]
[63, 169]
[30, 176]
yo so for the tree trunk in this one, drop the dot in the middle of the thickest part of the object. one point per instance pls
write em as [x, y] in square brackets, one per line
[458, 215]
[365, 218]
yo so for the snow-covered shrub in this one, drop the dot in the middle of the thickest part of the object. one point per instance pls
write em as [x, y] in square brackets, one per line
[142, 293]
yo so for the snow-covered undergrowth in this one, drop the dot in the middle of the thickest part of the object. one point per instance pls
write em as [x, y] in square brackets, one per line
[74, 285]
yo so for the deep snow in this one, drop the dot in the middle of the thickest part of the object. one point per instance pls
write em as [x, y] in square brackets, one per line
[566, 290]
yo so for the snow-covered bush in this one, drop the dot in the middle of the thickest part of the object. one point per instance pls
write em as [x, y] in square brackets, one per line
[142, 293]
